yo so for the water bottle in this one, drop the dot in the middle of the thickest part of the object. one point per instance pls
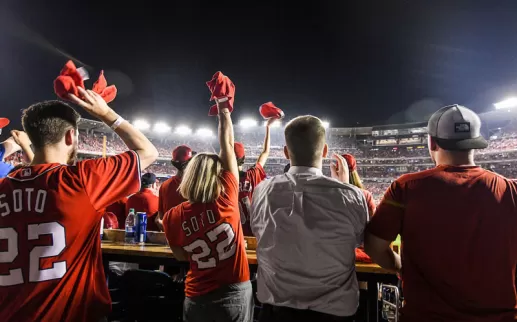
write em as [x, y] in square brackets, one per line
[130, 227]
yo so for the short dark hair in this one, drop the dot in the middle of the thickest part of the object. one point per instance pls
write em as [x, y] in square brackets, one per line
[47, 122]
[241, 161]
[305, 139]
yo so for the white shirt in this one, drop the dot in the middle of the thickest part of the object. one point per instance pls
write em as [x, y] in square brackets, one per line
[307, 228]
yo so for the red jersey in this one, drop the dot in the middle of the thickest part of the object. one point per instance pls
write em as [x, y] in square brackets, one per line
[459, 243]
[247, 182]
[145, 201]
[169, 194]
[212, 236]
[50, 215]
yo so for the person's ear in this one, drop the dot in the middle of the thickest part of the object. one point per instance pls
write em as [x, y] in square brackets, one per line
[325, 150]
[432, 144]
[70, 136]
[286, 152]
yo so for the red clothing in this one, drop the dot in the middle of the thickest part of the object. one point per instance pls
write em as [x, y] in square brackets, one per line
[459, 243]
[145, 201]
[369, 202]
[247, 182]
[50, 216]
[169, 194]
[212, 236]
[119, 209]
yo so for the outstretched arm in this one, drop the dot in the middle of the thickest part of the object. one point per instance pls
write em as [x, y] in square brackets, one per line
[267, 144]
[226, 140]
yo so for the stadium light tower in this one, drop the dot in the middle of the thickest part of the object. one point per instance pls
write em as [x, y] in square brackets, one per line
[204, 132]
[161, 127]
[326, 124]
[141, 124]
[248, 123]
[183, 130]
[507, 103]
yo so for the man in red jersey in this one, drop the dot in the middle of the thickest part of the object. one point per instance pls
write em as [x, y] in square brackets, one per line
[169, 195]
[51, 265]
[250, 178]
[458, 224]
[146, 200]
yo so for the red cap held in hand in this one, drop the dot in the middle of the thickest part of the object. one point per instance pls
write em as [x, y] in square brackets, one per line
[352, 164]
[70, 78]
[269, 110]
[221, 87]
[4, 122]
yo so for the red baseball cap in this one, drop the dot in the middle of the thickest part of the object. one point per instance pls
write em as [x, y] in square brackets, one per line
[239, 150]
[4, 122]
[182, 153]
[352, 164]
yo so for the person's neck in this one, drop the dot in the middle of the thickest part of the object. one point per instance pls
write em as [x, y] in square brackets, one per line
[456, 160]
[49, 155]
[316, 164]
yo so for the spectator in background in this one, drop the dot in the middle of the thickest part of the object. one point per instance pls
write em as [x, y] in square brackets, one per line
[169, 195]
[307, 227]
[18, 141]
[146, 200]
[458, 224]
[218, 285]
[250, 178]
[355, 180]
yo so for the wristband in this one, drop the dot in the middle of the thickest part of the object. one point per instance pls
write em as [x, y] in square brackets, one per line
[221, 100]
[117, 123]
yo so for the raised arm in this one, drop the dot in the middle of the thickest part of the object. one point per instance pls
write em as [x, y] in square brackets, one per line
[226, 141]
[22, 140]
[94, 104]
[267, 144]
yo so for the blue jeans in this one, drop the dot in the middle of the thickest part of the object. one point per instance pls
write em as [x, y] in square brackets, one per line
[231, 303]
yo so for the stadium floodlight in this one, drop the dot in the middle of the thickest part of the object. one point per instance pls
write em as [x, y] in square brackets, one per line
[183, 130]
[247, 123]
[141, 124]
[204, 132]
[326, 124]
[276, 123]
[507, 103]
[161, 127]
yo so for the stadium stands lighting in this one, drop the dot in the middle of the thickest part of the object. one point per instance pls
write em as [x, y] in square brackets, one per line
[204, 132]
[248, 123]
[141, 124]
[274, 124]
[326, 124]
[183, 130]
[507, 103]
[161, 127]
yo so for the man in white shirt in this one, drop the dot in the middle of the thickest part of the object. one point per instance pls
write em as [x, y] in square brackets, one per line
[307, 228]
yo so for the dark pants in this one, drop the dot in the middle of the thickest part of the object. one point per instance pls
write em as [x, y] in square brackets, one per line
[231, 303]
[271, 313]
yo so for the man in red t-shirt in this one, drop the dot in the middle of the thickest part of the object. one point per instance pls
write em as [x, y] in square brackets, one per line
[50, 213]
[169, 196]
[250, 178]
[146, 200]
[458, 224]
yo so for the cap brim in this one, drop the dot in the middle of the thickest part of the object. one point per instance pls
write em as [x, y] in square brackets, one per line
[4, 122]
[463, 144]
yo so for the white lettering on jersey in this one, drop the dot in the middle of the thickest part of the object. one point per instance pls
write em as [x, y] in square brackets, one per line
[22, 200]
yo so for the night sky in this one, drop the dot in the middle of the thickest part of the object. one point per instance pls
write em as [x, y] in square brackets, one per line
[350, 62]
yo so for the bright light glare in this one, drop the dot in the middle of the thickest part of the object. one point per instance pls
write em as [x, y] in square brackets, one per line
[183, 130]
[161, 127]
[204, 132]
[325, 124]
[276, 123]
[507, 103]
[248, 123]
[141, 124]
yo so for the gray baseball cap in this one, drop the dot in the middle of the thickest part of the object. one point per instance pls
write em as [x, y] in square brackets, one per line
[455, 127]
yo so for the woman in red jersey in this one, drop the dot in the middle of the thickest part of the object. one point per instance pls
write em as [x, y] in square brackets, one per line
[206, 231]
[355, 180]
